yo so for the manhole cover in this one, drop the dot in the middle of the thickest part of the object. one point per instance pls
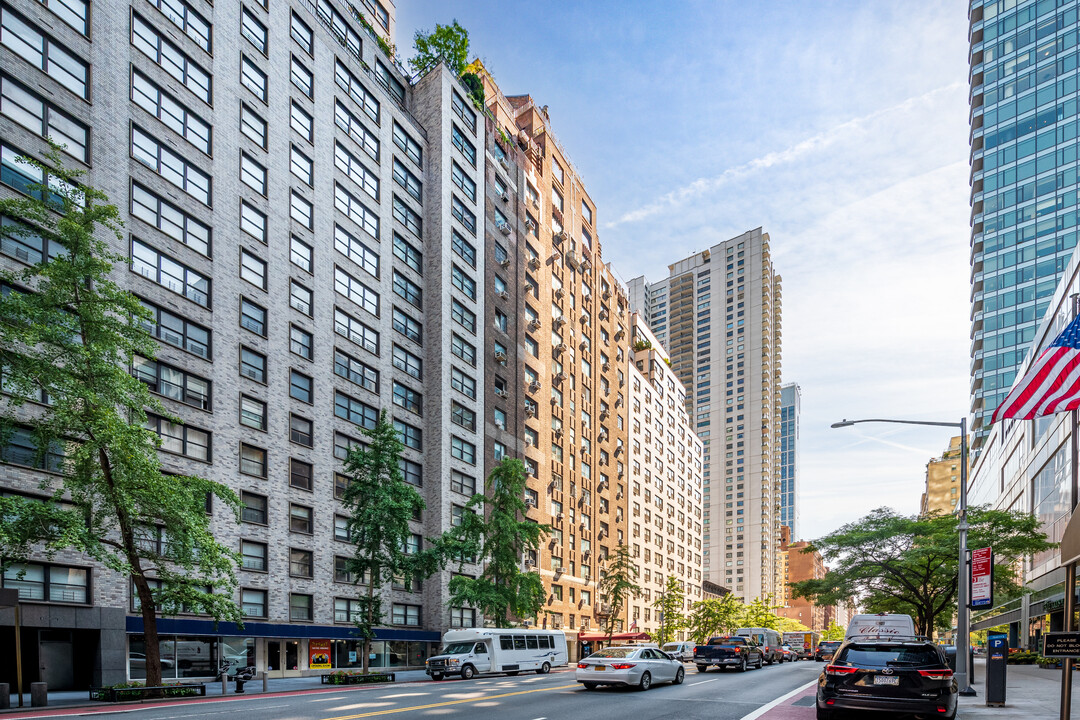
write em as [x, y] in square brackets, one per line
[805, 701]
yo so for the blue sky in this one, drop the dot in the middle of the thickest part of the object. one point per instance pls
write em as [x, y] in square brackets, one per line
[839, 127]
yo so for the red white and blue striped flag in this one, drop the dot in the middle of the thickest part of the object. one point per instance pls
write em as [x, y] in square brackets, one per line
[1052, 384]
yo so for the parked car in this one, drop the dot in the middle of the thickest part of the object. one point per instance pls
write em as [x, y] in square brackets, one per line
[787, 654]
[769, 640]
[887, 676]
[681, 651]
[728, 651]
[826, 649]
[629, 665]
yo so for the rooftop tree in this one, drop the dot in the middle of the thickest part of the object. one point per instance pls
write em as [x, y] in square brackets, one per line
[447, 43]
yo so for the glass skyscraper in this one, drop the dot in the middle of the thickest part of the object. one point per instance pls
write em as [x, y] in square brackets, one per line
[1023, 181]
[788, 465]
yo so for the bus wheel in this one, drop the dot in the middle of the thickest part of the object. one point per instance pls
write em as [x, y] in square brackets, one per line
[544, 669]
[467, 672]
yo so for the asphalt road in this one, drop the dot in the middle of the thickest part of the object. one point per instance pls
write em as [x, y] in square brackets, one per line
[714, 695]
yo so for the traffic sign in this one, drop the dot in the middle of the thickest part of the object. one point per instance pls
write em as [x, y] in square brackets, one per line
[982, 578]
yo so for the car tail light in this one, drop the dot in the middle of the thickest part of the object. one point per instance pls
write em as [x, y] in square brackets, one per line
[936, 674]
[942, 709]
[840, 670]
[622, 666]
[582, 665]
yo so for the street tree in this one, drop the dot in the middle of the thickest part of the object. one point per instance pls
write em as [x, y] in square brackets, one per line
[760, 613]
[447, 43]
[715, 616]
[380, 505]
[496, 533]
[77, 345]
[908, 564]
[789, 625]
[618, 584]
[833, 632]
[669, 603]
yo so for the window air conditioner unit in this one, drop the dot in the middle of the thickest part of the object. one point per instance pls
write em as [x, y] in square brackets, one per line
[504, 295]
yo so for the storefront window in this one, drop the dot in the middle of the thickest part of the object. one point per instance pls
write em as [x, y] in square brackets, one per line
[181, 657]
[239, 652]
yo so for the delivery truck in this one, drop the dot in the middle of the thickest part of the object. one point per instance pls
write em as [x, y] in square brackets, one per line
[804, 643]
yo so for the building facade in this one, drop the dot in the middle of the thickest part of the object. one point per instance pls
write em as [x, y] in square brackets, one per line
[788, 464]
[718, 315]
[803, 566]
[942, 491]
[1023, 82]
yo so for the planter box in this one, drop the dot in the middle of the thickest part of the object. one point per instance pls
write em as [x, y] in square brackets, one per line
[141, 693]
[357, 679]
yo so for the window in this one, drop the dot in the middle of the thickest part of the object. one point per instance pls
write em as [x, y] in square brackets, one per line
[252, 460]
[301, 121]
[411, 472]
[408, 327]
[348, 286]
[463, 249]
[408, 217]
[462, 450]
[300, 166]
[170, 166]
[356, 211]
[408, 253]
[462, 110]
[463, 282]
[349, 164]
[405, 614]
[463, 383]
[180, 439]
[341, 529]
[253, 508]
[388, 81]
[170, 274]
[557, 170]
[349, 327]
[252, 365]
[465, 484]
[170, 58]
[252, 269]
[408, 399]
[51, 583]
[253, 555]
[356, 130]
[300, 474]
[408, 182]
[356, 250]
[253, 222]
[556, 199]
[301, 431]
[355, 371]
[170, 219]
[356, 91]
[301, 210]
[302, 78]
[300, 341]
[252, 125]
[300, 387]
[532, 347]
[407, 362]
[300, 297]
[41, 51]
[355, 411]
[300, 253]
[409, 146]
[253, 30]
[187, 19]
[464, 317]
[252, 174]
[463, 214]
[463, 181]
[342, 444]
[21, 448]
[301, 33]
[500, 320]
[300, 607]
[463, 349]
[463, 416]
[467, 148]
[301, 563]
[301, 519]
[586, 212]
[252, 412]
[173, 383]
[346, 610]
[341, 483]
[178, 331]
[253, 603]
[410, 436]
[253, 78]
[73, 12]
[500, 419]
[408, 291]
[43, 118]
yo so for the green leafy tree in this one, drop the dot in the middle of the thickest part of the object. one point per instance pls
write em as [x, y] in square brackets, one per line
[670, 603]
[908, 564]
[69, 333]
[785, 624]
[380, 505]
[618, 584]
[760, 612]
[498, 534]
[833, 632]
[447, 43]
[716, 616]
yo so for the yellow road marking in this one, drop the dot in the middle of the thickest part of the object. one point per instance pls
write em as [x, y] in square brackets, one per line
[449, 702]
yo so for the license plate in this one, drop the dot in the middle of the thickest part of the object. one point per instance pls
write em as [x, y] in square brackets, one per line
[886, 680]
[600, 667]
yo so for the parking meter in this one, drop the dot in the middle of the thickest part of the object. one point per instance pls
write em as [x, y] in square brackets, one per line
[997, 659]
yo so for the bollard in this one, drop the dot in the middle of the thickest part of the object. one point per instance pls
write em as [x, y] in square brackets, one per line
[5, 696]
[266, 682]
[224, 683]
[39, 694]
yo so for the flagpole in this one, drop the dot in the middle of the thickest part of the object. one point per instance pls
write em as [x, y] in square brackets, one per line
[1070, 570]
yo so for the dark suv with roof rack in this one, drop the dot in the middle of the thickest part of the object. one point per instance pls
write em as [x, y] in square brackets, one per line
[887, 675]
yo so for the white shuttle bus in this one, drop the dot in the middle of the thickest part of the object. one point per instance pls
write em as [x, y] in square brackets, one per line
[498, 650]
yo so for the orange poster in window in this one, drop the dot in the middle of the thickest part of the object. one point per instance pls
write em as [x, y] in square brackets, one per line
[319, 654]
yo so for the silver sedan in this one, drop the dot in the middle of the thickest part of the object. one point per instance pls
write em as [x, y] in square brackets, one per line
[639, 667]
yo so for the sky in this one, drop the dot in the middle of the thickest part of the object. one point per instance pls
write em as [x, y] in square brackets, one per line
[838, 127]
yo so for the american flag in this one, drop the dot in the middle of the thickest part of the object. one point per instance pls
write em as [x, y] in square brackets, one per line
[1052, 384]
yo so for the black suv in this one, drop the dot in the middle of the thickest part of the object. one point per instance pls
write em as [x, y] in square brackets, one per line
[887, 675]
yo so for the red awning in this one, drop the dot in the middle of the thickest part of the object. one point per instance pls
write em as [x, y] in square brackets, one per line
[595, 637]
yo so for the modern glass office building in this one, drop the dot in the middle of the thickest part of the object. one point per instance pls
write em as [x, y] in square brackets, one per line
[788, 465]
[1023, 77]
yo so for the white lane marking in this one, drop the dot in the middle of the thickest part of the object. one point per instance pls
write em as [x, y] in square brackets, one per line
[339, 697]
[702, 682]
[769, 706]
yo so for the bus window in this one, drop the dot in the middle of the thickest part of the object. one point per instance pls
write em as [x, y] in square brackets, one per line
[531, 640]
[506, 642]
[519, 642]
[545, 642]
[480, 649]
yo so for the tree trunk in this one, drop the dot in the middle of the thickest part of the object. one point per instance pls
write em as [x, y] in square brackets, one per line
[150, 633]
[366, 667]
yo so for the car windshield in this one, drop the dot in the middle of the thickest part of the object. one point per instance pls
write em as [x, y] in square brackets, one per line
[458, 648]
[890, 655]
[614, 653]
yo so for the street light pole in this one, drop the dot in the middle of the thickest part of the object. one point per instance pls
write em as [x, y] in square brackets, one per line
[963, 613]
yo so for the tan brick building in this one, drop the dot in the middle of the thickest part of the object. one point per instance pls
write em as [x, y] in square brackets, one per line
[943, 481]
[803, 566]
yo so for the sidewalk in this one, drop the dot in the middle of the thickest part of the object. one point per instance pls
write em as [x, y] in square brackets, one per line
[69, 699]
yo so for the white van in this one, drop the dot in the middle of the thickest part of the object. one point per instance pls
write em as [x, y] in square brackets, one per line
[498, 650]
[881, 625]
[682, 651]
[769, 640]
